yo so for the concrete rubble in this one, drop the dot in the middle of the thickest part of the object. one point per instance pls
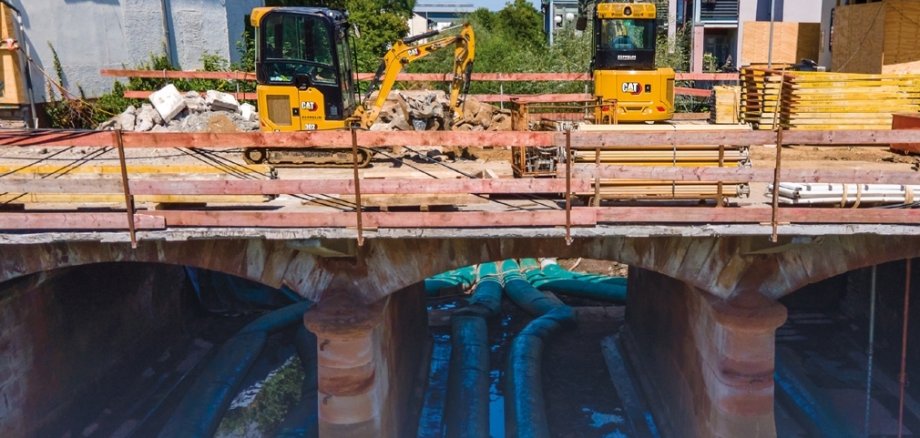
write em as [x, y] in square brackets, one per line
[215, 111]
[428, 111]
[191, 112]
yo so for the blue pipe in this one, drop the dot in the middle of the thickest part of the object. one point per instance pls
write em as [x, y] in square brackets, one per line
[553, 278]
[200, 411]
[468, 379]
[449, 282]
[303, 418]
[525, 406]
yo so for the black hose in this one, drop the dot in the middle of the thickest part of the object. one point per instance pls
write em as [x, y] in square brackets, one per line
[200, 411]
[468, 379]
[525, 406]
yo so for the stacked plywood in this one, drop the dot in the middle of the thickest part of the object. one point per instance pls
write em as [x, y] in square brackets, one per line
[819, 100]
[877, 37]
[847, 101]
[726, 105]
[760, 96]
[792, 42]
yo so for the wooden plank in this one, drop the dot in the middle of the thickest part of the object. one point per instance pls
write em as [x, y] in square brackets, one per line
[742, 174]
[340, 139]
[756, 215]
[229, 170]
[423, 77]
[78, 221]
[144, 94]
[462, 219]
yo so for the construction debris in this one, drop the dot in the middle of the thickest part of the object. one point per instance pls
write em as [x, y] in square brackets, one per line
[427, 111]
[175, 112]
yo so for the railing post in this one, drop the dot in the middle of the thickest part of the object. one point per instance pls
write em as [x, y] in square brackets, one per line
[568, 186]
[129, 198]
[358, 208]
[774, 236]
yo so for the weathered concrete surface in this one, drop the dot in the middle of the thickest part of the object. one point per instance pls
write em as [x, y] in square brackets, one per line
[370, 361]
[707, 363]
[723, 266]
[61, 332]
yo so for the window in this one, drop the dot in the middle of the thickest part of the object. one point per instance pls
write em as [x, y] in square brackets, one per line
[628, 34]
[297, 45]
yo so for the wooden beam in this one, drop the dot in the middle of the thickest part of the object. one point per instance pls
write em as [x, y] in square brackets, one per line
[77, 221]
[371, 139]
[422, 77]
[488, 98]
[741, 174]
[143, 94]
[755, 215]
[461, 219]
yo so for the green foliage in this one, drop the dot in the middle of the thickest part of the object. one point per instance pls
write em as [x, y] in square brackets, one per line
[270, 406]
[676, 57]
[70, 112]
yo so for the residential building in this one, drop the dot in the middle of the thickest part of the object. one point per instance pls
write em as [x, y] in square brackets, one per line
[438, 16]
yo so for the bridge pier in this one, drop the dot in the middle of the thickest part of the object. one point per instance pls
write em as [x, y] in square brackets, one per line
[707, 362]
[369, 363]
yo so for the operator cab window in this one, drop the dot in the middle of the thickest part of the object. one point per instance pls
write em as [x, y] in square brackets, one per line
[625, 43]
[297, 45]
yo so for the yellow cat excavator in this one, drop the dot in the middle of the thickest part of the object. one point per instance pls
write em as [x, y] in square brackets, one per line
[306, 78]
[623, 66]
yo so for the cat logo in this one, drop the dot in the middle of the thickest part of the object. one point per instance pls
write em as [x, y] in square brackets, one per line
[413, 51]
[309, 106]
[632, 87]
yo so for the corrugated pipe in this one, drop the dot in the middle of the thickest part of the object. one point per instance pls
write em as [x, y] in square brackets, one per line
[468, 379]
[554, 278]
[525, 406]
[450, 282]
[200, 411]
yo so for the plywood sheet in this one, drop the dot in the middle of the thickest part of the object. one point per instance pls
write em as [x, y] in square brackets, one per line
[858, 37]
[792, 42]
[901, 32]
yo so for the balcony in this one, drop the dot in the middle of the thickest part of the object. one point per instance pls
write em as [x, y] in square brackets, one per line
[716, 11]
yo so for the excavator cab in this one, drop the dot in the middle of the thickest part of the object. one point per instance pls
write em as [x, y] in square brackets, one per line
[303, 68]
[626, 81]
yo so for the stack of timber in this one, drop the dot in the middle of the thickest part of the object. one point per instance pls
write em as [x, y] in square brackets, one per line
[828, 101]
[100, 184]
[726, 105]
[665, 155]
[835, 101]
[760, 96]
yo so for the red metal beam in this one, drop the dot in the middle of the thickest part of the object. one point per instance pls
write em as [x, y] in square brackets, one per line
[77, 221]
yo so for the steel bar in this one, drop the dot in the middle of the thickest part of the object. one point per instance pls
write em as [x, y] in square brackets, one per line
[568, 187]
[870, 349]
[129, 199]
[902, 376]
[358, 209]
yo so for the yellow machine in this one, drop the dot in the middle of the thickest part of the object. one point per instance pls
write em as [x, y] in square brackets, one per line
[306, 78]
[626, 82]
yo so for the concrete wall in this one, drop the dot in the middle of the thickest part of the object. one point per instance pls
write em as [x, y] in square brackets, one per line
[61, 332]
[90, 35]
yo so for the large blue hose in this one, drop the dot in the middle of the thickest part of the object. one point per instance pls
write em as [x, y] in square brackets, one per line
[525, 406]
[553, 278]
[302, 421]
[450, 282]
[200, 411]
[468, 379]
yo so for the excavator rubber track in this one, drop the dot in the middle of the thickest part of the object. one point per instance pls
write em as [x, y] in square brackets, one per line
[289, 157]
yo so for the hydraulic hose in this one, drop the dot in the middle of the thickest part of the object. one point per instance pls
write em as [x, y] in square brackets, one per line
[468, 379]
[200, 411]
[525, 406]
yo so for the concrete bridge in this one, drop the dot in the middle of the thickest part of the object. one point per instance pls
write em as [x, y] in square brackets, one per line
[704, 282]
[701, 315]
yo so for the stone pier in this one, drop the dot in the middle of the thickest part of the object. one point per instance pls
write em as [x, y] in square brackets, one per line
[370, 363]
[707, 363]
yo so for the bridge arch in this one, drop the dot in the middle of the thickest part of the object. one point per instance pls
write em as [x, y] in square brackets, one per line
[722, 266]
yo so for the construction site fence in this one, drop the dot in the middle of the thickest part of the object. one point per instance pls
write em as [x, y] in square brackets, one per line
[571, 179]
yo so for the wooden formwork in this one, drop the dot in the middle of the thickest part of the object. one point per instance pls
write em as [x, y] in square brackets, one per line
[827, 101]
[879, 37]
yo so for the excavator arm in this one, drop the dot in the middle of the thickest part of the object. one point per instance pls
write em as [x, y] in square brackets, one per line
[406, 51]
